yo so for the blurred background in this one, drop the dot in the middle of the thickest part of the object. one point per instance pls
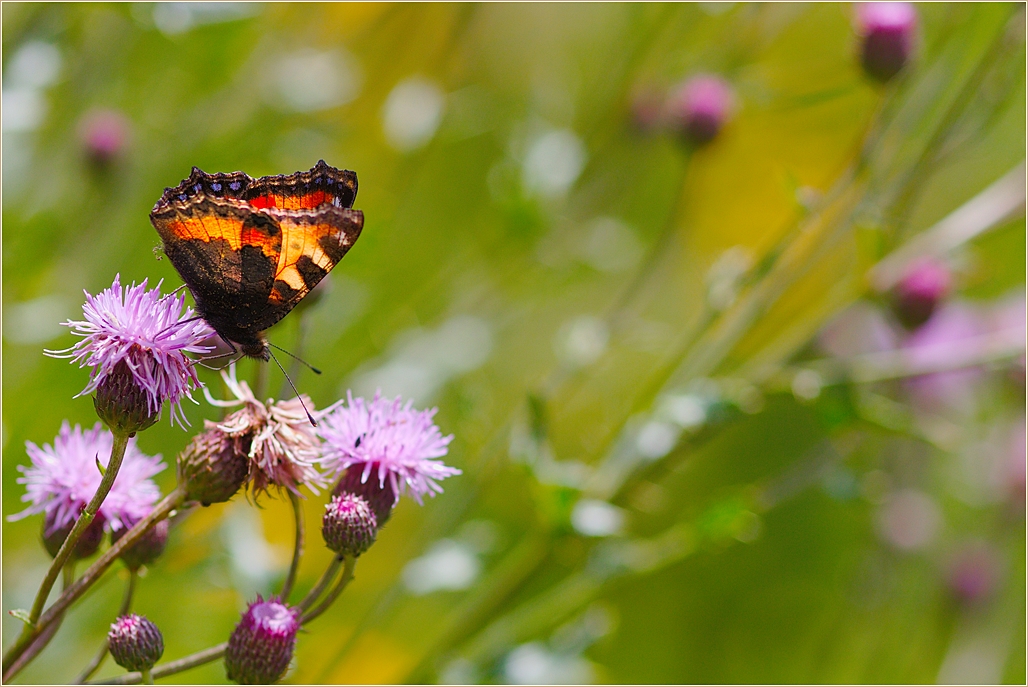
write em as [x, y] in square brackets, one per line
[735, 367]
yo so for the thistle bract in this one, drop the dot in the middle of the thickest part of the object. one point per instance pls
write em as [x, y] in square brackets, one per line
[261, 646]
[135, 642]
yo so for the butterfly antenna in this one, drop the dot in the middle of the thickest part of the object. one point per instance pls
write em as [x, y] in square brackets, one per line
[312, 368]
[309, 416]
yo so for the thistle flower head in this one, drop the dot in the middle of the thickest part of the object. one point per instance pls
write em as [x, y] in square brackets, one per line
[349, 525]
[135, 642]
[261, 646]
[886, 36]
[700, 106]
[63, 478]
[283, 446]
[147, 548]
[136, 332]
[388, 443]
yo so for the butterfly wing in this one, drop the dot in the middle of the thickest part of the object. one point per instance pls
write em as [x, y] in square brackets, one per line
[227, 254]
[313, 242]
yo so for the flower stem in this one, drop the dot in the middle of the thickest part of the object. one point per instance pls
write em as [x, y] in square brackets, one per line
[319, 588]
[287, 586]
[185, 663]
[350, 563]
[33, 628]
[92, 574]
[146, 677]
[126, 605]
[41, 642]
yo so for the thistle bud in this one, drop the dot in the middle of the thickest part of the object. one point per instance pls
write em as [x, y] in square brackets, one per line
[920, 290]
[349, 525]
[261, 646]
[86, 546]
[122, 404]
[147, 548]
[974, 573]
[135, 642]
[214, 465]
[886, 37]
[104, 135]
[380, 498]
[700, 107]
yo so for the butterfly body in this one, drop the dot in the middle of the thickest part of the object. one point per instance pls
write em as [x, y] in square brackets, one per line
[250, 249]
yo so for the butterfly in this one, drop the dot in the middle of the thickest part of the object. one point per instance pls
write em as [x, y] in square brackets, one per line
[250, 249]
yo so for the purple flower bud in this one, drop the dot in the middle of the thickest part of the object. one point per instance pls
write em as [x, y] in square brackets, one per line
[122, 404]
[349, 525]
[214, 465]
[974, 572]
[261, 646]
[147, 548]
[105, 135]
[886, 37]
[54, 535]
[380, 497]
[135, 642]
[699, 107]
[926, 282]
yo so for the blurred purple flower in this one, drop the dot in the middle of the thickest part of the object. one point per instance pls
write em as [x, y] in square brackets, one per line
[64, 477]
[283, 446]
[699, 107]
[150, 334]
[937, 342]
[105, 135]
[925, 284]
[886, 37]
[262, 644]
[388, 440]
[974, 572]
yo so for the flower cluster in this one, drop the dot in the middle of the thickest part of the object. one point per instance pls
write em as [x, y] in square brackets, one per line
[137, 336]
[63, 478]
[283, 448]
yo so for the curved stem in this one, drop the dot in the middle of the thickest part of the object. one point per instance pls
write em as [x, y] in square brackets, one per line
[92, 574]
[350, 563]
[287, 586]
[41, 642]
[32, 628]
[126, 605]
[319, 588]
[185, 663]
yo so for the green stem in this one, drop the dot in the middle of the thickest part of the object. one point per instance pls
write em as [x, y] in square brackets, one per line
[287, 586]
[146, 678]
[193, 660]
[350, 563]
[32, 628]
[322, 584]
[126, 605]
[92, 574]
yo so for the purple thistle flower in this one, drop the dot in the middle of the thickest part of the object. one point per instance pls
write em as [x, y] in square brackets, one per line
[148, 333]
[64, 477]
[699, 107]
[283, 446]
[261, 646]
[392, 441]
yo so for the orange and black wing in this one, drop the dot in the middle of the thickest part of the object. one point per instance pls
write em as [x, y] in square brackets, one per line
[313, 242]
[321, 185]
[227, 254]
